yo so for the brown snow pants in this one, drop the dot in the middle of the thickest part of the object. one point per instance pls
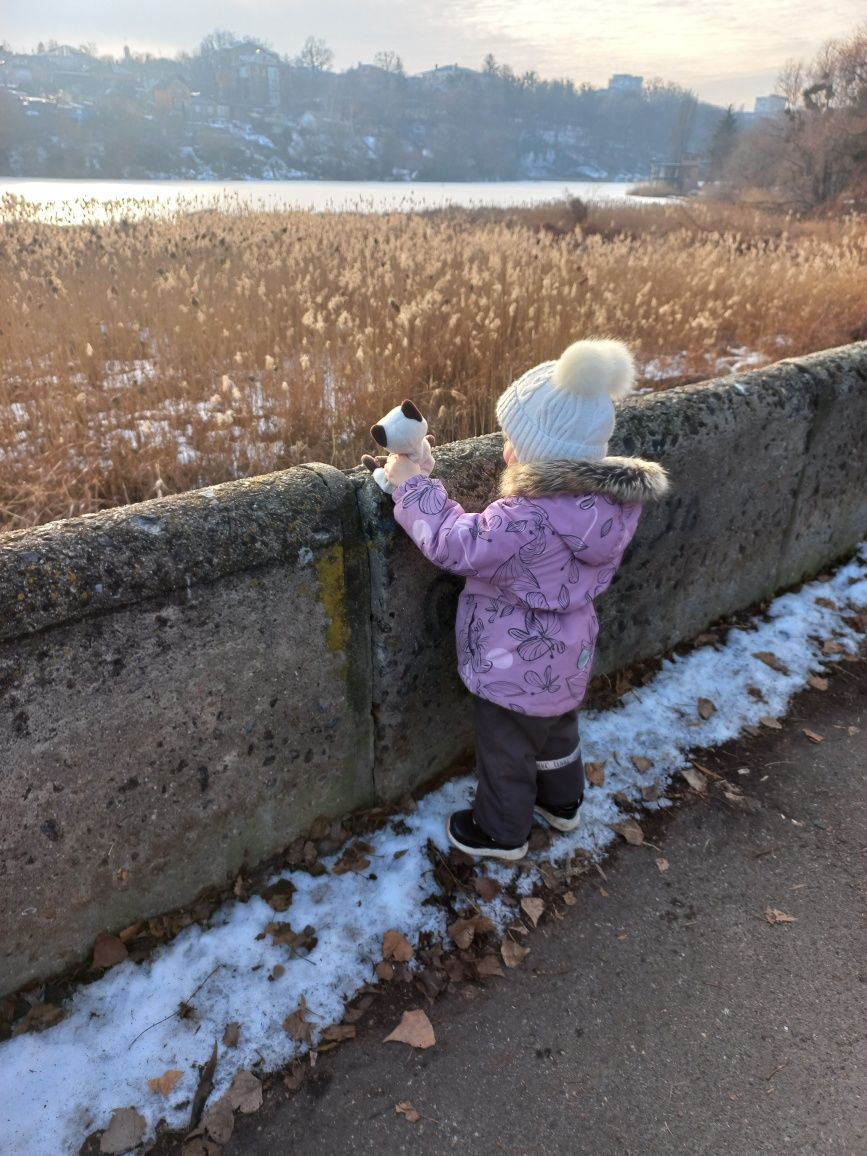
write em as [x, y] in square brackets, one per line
[522, 759]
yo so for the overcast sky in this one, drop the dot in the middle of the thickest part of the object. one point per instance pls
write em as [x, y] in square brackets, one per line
[728, 52]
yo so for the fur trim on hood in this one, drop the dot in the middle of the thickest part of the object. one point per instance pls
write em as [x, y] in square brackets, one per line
[625, 479]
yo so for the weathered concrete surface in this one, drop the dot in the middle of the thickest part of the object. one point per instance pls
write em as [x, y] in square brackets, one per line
[768, 487]
[83, 566]
[829, 511]
[420, 706]
[147, 753]
[661, 1015]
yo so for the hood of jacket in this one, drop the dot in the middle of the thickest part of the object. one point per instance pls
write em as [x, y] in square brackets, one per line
[627, 480]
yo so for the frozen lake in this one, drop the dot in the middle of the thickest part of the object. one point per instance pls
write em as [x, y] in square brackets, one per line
[68, 201]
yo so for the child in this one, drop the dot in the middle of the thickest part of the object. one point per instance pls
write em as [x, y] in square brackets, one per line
[535, 560]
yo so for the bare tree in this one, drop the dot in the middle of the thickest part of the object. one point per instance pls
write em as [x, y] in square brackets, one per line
[216, 41]
[315, 55]
[815, 150]
[389, 62]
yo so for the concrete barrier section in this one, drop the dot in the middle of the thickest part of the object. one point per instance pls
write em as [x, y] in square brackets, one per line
[201, 695]
[185, 684]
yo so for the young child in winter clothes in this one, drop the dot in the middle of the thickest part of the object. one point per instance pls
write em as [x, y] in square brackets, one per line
[535, 561]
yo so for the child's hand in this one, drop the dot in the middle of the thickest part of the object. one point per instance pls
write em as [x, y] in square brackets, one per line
[400, 468]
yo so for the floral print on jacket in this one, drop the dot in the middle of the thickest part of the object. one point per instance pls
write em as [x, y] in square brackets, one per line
[534, 565]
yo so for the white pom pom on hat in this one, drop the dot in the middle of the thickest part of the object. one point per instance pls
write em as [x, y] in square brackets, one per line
[595, 366]
[564, 408]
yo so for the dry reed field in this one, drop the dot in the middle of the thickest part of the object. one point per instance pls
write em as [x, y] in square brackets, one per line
[146, 356]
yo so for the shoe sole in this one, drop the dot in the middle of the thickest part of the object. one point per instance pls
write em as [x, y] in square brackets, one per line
[557, 822]
[488, 852]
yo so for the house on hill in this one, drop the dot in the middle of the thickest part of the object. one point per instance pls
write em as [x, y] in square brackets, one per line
[67, 69]
[171, 96]
[249, 75]
[625, 82]
[16, 70]
[445, 75]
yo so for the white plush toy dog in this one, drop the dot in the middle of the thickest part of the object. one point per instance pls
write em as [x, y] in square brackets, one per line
[402, 431]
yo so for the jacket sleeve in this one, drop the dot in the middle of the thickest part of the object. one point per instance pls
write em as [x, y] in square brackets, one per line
[473, 545]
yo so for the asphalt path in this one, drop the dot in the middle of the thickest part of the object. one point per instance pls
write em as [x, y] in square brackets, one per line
[661, 1013]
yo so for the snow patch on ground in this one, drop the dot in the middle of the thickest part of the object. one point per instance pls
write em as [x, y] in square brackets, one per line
[66, 1082]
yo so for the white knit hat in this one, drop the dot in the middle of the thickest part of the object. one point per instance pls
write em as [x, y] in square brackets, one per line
[564, 409]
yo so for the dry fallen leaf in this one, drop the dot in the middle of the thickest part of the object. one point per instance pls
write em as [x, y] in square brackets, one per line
[385, 971]
[817, 682]
[126, 1131]
[353, 1014]
[40, 1017]
[414, 1029]
[813, 737]
[534, 908]
[513, 953]
[463, 931]
[294, 1078]
[662, 863]
[641, 764]
[831, 647]
[569, 898]
[397, 947]
[696, 779]
[630, 831]
[166, 1083]
[297, 1025]
[204, 1089]
[108, 950]
[773, 724]
[219, 1121]
[245, 1094]
[771, 660]
[354, 858]
[595, 773]
[488, 965]
[486, 888]
[231, 1035]
[706, 708]
[774, 915]
[826, 602]
[279, 894]
[337, 1033]
[298, 942]
[406, 1109]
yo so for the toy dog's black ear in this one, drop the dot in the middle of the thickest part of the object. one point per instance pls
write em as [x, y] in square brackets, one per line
[377, 432]
[408, 409]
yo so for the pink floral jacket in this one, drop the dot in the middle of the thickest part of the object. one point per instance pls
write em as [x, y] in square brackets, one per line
[535, 561]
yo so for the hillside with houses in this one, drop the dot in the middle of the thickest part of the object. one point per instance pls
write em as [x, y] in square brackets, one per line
[237, 109]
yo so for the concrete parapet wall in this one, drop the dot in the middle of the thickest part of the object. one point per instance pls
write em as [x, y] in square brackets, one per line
[188, 688]
[186, 683]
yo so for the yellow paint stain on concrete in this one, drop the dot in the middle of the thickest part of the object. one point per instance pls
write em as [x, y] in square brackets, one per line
[332, 592]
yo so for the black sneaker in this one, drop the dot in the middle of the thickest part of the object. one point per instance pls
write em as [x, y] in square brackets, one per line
[465, 834]
[563, 818]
